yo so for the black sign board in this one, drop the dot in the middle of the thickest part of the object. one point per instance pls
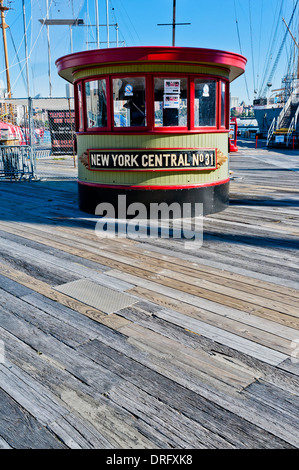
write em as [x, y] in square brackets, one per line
[62, 125]
[152, 159]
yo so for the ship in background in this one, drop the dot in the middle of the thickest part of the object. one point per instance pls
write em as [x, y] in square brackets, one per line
[277, 115]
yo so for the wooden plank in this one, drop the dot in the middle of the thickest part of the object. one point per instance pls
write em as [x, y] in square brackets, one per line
[13, 287]
[30, 395]
[156, 263]
[77, 433]
[280, 325]
[41, 287]
[193, 362]
[68, 270]
[241, 305]
[277, 343]
[48, 221]
[115, 424]
[63, 313]
[144, 312]
[20, 430]
[216, 412]
[251, 348]
[71, 429]
[241, 281]
[58, 328]
[65, 356]
[178, 430]
[286, 404]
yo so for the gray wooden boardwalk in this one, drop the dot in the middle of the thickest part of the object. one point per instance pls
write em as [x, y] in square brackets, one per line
[200, 348]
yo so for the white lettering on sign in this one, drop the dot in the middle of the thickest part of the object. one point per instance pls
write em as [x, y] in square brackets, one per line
[141, 159]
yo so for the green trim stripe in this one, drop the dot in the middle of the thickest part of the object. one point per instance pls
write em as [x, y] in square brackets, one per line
[156, 68]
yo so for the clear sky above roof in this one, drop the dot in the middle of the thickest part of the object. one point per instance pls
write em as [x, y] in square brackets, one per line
[254, 28]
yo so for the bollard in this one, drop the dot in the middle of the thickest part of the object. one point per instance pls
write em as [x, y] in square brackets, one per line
[256, 137]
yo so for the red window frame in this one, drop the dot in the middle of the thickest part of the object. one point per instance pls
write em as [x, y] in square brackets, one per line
[192, 113]
[226, 105]
[169, 129]
[131, 129]
[97, 129]
[149, 102]
[77, 106]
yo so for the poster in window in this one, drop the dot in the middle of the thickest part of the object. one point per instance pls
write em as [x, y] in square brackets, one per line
[172, 86]
[128, 90]
[206, 90]
[171, 101]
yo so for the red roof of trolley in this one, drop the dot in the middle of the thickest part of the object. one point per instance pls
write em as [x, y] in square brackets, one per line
[69, 64]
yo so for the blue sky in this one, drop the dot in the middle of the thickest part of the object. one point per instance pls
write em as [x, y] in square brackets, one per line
[252, 27]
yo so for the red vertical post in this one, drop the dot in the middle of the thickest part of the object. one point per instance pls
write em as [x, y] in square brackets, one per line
[256, 137]
[293, 146]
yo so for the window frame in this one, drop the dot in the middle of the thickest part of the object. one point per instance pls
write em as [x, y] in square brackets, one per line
[97, 129]
[169, 129]
[226, 104]
[77, 106]
[128, 129]
[208, 78]
[150, 127]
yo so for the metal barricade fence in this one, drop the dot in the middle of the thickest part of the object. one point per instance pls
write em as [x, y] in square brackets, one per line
[37, 129]
[16, 162]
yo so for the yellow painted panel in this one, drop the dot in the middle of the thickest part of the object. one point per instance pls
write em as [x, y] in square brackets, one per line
[109, 141]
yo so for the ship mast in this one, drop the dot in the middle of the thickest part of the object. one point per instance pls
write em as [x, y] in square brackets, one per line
[4, 26]
[296, 44]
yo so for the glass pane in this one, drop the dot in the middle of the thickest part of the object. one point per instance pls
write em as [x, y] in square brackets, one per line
[96, 103]
[80, 106]
[223, 110]
[129, 102]
[171, 102]
[205, 103]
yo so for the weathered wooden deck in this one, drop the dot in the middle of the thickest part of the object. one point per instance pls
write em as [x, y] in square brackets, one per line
[205, 356]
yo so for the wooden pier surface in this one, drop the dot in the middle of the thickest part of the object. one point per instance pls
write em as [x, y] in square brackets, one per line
[202, 352]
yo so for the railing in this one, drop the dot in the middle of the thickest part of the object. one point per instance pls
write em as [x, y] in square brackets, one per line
[271, 131]
[296, 117]
[42, 152]
[293, 125]
[290, 130]
[16, 162]
[284, 111]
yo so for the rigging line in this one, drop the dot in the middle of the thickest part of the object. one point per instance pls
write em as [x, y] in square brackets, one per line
[252, 56]
[125, 23]
[272, 42]
[41, 28]
[281, 46]
[132, 25]
[79, 9]
[21, 72]
[119, 31]
[269, 54]
[17, 55]
[239, 39]
[259, 49]
[115, 19]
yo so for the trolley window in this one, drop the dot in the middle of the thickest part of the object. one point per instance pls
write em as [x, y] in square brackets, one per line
[80, 106]
[96, 103]
[204, 102]
[170, 102]
[129, 102]
[223, 103]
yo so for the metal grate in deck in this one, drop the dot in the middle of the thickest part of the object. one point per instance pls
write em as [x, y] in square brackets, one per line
[102, 298]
